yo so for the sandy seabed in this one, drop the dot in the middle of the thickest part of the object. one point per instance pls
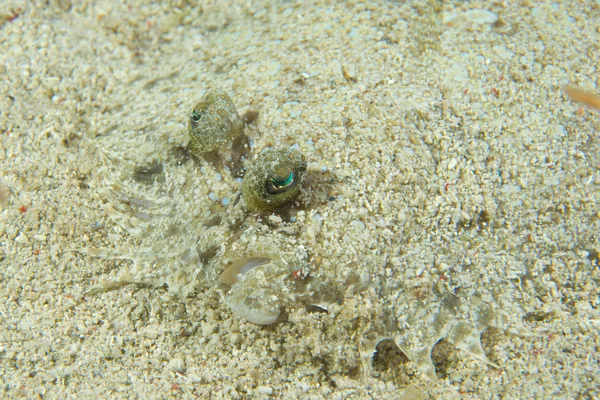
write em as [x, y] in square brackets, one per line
[442, 151]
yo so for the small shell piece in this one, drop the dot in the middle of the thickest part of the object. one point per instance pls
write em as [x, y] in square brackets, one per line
[213, 123]
[241, 267]
[274, 180]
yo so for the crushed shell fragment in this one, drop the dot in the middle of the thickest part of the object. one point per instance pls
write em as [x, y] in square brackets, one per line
[241, 267]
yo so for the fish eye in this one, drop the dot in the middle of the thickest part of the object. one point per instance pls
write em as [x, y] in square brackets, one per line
[273, 181]
[195, 116]
[277, 185]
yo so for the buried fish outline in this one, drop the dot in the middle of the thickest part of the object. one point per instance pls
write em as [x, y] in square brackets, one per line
[191, 241]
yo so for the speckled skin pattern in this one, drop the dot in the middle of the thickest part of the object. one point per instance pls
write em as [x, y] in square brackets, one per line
[327, 253]
[213, 122]
[273, 165]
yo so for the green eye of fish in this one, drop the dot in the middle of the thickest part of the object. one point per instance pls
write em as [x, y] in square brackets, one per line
[274, 180]
[275, 185]
[195, 116]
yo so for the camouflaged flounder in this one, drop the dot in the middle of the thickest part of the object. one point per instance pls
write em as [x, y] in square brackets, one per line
[190, 241]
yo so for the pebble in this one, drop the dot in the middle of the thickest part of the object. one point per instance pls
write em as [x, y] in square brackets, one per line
[469, 384]
[388, 234]
[265, 390]
[358, 225]
[96, 225]
[4, 194]
[22, 239]
[481, 16]
[273, 68]
[234, 338]
[177, 365]
[275, 219]
[476, 16]
[452, 163]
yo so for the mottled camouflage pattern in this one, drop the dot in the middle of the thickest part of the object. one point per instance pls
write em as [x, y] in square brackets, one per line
[213, 122]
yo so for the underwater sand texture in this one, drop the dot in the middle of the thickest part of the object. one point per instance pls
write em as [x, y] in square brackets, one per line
[452, 193]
